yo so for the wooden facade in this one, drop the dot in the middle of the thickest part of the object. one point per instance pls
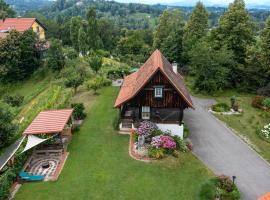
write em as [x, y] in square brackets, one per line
[146, 97]
[166, 109]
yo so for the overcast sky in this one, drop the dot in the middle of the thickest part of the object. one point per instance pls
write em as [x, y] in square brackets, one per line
[221, 2]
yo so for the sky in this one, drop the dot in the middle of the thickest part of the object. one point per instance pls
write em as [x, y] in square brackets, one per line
[212, 2]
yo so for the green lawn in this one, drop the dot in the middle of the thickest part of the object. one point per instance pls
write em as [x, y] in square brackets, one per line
[99, 166]
[247, 124]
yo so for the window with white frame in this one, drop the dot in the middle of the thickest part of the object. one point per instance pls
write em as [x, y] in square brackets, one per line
[158, 92]
[145, 112]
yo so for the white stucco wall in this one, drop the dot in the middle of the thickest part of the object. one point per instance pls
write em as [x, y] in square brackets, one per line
[175, 129]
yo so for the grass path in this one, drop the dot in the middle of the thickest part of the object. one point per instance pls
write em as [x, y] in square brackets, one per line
[99, 166]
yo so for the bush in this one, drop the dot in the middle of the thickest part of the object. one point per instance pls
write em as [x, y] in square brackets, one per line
[7, 127]
[14, 100]
[208, 190]
[180, 144]
[225, 183]
[257, 101]
[221, 107]
[265, 133]
[266, 102]
[78, 112]
[70, 53]
[157, 153]
[146, 128]
[219, 187]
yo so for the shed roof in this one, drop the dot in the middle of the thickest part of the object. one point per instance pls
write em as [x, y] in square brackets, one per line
[19, 24]
[134, 82]
[49, 122]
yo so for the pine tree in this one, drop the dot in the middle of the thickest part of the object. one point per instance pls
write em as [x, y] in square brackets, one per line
[195, 29]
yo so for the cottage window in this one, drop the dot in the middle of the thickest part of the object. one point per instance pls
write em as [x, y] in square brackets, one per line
[158, 92]
[37, 29]
[145, 112]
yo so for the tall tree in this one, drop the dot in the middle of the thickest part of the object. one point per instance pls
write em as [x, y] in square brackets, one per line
[75, 25]
[257, 69]
[30, 55]
[235, 30]
[170, 32]
[265, 39]
[211, 67]
[5, 10]
[19, 56]
[56, 59]
[82, 38]
[195, 29]
[94, 40]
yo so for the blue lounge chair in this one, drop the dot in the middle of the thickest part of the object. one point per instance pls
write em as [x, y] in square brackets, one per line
[27, 177]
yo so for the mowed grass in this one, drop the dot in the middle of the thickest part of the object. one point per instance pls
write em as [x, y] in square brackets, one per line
[249, 123]
[246, 125]
[99, 167]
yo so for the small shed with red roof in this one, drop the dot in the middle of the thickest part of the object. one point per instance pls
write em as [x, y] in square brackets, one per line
[49, 122]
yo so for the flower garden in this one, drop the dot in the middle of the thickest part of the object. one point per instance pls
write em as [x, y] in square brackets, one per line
[151, 142]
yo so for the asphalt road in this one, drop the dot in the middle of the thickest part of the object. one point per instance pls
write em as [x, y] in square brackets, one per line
[225, 153]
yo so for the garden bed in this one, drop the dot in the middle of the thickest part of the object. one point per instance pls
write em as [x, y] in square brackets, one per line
[149, 142]
[221, 187]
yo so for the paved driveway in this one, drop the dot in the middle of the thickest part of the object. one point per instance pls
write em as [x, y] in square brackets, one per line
[223, 152]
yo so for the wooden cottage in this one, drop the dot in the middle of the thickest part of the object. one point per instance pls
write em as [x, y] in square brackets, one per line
[155, 92]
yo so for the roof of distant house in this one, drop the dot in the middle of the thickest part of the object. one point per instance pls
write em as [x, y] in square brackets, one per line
[134, 82]
[49, 122]
[19, 24]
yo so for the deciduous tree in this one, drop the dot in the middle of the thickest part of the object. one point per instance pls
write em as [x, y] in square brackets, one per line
[195, 29]
[95, 63]
[7, 127]
[56, 58]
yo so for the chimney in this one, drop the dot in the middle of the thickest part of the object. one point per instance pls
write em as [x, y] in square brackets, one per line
[174, 67]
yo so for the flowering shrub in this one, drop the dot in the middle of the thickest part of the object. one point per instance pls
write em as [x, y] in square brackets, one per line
[167, 142]
[163, 141]
[265, 132]
[146, 128]
[156, 141]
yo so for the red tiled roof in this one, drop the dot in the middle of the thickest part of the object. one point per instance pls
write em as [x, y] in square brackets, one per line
[134, 82]
[265, 197]
[20, 24]
[48, 122]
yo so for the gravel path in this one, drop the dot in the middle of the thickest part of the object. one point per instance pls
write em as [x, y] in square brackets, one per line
[225, 153]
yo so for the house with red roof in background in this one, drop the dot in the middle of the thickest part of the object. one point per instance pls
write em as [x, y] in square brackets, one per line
[156, 92]
[21, 25]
